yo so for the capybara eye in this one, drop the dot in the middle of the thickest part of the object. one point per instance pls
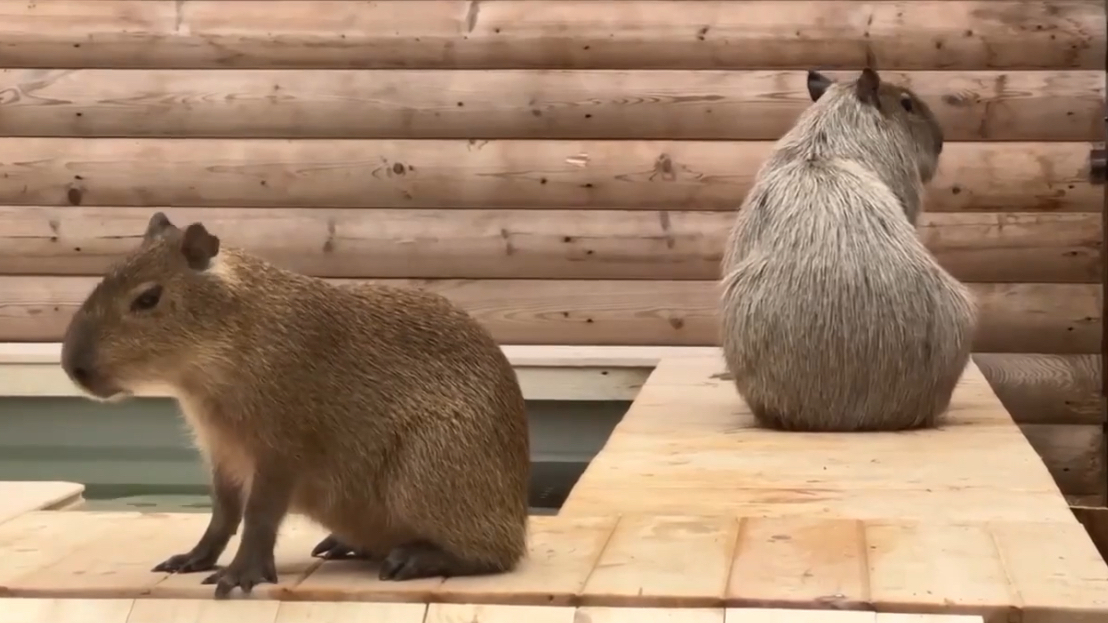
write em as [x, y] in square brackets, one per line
[148, 299]
[906, 102]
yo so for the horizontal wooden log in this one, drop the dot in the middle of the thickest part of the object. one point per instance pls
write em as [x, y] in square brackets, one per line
[528, 244]
[687, 105]
[1046, 389]
[1047, 318]
[1074, 454]
[684, 34]
[705, 175]
[1098, 165]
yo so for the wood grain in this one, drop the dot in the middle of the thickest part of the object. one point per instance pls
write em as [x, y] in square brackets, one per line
[687, 445]
[522, 104]
[1046, 389]
[686, 34]
[1044, 318]
[522, 244]
[1074, 454]
[704, 175]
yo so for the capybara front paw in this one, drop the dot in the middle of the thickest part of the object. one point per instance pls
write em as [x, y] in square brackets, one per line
[189, 562]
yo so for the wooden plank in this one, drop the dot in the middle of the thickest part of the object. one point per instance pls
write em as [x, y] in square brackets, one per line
[1060, 577]
[686, 34]
[492, 104]
[295, 541]
[700, 175]
[17, 498]
[713, 460]
[339, 612]
[1051, 318]
[559, 560]
[593, 614]
[478, 613]
[782, 615]
[115, 567]
[204, 611]
[1074, 454]
[71, 611]
[41, 539]
[528, 244]
[800, 560]
[664, 561]
[933, 567]
[903, 618]
[1040, 389]
[926, 566]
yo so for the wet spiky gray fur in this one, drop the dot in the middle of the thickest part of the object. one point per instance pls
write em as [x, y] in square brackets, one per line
[835, 317]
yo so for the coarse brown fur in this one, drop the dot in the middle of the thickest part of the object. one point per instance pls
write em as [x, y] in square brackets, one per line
[387, 415]
[835, 316]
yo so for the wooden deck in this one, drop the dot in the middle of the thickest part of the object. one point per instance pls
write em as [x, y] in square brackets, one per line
[199, 611]
[17, 498]
[688, 509]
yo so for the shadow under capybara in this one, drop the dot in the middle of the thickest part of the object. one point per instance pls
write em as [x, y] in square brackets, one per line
[387, 415]
[834, 315]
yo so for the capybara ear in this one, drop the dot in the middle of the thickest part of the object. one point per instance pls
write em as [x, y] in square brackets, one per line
[158, 226]
[867, 87]
[817, 84]
[198, 246]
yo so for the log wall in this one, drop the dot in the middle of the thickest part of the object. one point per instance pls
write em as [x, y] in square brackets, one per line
[566, 169]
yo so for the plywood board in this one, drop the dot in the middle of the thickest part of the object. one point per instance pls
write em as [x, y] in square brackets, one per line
[206, 611]
[1049, 571]
[706, 456]
[17, 498]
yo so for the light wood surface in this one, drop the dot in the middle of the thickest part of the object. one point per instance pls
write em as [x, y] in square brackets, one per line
[629, 104]
[45, 610]
[672, 175]
[19, 497]
[890, 565]
[529, 244]
[1045, 318]
[690, 511]
[683, 34]
[712, 459]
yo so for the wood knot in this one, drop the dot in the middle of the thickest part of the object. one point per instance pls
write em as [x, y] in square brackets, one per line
[959, 100]
[663, 166]
[74, 195]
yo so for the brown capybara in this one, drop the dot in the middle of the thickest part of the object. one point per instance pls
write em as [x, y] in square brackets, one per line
[389, 416]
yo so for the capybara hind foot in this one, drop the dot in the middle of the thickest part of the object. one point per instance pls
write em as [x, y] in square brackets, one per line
[330, 548]
[421, 559]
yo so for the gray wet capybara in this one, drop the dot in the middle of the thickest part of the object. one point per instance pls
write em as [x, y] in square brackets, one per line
[835, 316]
